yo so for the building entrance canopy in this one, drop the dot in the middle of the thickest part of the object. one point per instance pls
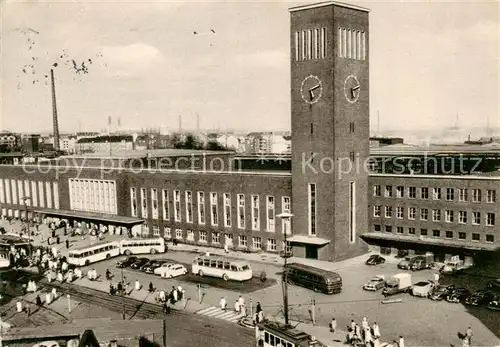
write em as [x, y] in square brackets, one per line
[93, 216]
[309, 240]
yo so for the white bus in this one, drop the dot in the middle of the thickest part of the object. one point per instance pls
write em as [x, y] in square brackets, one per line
[90, 254]
[218, 266]
[141, 246]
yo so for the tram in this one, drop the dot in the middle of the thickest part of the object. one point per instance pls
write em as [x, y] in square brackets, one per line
[275, 334]
[4, 259]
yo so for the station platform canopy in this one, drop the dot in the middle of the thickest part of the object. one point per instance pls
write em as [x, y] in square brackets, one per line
[92, 216]
[429, 241]
[309, 240]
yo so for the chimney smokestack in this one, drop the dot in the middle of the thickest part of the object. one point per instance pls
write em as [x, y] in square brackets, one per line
[54, 111]
[180, 124]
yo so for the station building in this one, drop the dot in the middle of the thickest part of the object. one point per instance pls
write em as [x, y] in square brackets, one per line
[340, 206]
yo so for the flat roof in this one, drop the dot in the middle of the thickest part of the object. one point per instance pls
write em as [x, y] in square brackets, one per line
[432, 150]
[151, 153]
[276, 173]
[103, 217]
[328, 3]
[431, 241]
[456, 177]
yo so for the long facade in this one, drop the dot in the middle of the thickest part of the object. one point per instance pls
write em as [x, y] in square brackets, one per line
[338, 207]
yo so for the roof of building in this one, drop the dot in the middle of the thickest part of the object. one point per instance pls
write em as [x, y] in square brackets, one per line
[430, 241]
[95, 216]
[432, 150]
[327, 3]
[151, 153]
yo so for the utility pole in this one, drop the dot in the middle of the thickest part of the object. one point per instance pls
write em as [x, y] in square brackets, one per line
[285, 216]
[164, 333]
[123, 296]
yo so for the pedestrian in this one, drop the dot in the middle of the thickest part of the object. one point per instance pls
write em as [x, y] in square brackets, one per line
[436, 277]
[364, 323]
[111, 289]
[237, 307]
[468, 334]
[38, 300]
[258, 308]
[162, 295]
[180, 292]
[333, 325]
[357, 331]
[368, 337]
[166, 308]
[376, 330]
[260, 316]
[127, 291]
[67, 243]
[223, 304]
[151, 287]
[175, 295]
[241, 301]
[401, 341]
[137, 285]
[353, 325]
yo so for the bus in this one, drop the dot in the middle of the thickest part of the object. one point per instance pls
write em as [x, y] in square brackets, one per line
[4, 259]
[218, 266]
[319, 280]
[86, 255]
[141, 246]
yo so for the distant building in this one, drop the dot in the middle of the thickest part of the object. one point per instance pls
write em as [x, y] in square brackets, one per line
[9, 140]
[267, 143]
[153, 141]
[385, 141]
[31, 143]
[68, 144]
[105, 144]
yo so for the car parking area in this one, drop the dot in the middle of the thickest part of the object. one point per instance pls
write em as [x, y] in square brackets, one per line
[421, 321]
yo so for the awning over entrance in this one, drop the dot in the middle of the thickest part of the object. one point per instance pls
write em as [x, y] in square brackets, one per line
[94, 216]
[429, 241]
[310, 240]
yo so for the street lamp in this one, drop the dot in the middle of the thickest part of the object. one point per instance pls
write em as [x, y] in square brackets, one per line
[24, 198]
[285, 217]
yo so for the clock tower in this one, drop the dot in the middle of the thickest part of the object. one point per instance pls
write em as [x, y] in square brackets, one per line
[330, 130]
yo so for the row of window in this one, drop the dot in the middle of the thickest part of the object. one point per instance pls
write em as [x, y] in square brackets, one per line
[437, 193]
[33, 193]
[220, 238]
[310, 44]
[93, 195]
[435, 233]
[351, 44]
[449, 215]
[160, 202]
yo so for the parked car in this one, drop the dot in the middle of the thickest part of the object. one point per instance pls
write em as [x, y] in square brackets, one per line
[139, 263]
[422, 262]
[440, 292]
[405, 263]
[376, 283]
[494, 285]
[150, 266]
[479, 298]
[375, 260]
[163, 267]
[422, 289]
[174, 271]
[126, 262]
[458, 295]
[494, 304]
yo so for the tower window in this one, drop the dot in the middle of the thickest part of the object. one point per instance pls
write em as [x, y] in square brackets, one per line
[297, 45]
[340, 42]
[303, 46]
[309, 45]
[312, 128]
[323, 43]
[363, 46]
[352, 212]
[349, 49]
[312, 209]
[316, 43]
[351, 127]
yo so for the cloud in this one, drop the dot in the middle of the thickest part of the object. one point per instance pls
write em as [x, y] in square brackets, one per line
[131, 60]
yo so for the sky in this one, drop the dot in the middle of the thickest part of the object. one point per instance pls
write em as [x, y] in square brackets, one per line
[429, 62]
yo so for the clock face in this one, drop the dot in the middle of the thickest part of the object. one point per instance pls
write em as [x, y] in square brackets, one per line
[311, 89]
[352, 89]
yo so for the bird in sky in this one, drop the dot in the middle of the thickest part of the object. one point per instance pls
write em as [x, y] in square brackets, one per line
[195, 33]
[212, 30]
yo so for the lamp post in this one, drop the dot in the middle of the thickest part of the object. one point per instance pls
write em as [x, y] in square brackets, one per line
[285, 216]
[24, 198]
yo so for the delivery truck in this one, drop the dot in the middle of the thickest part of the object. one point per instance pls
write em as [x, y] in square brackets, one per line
[400, 283]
